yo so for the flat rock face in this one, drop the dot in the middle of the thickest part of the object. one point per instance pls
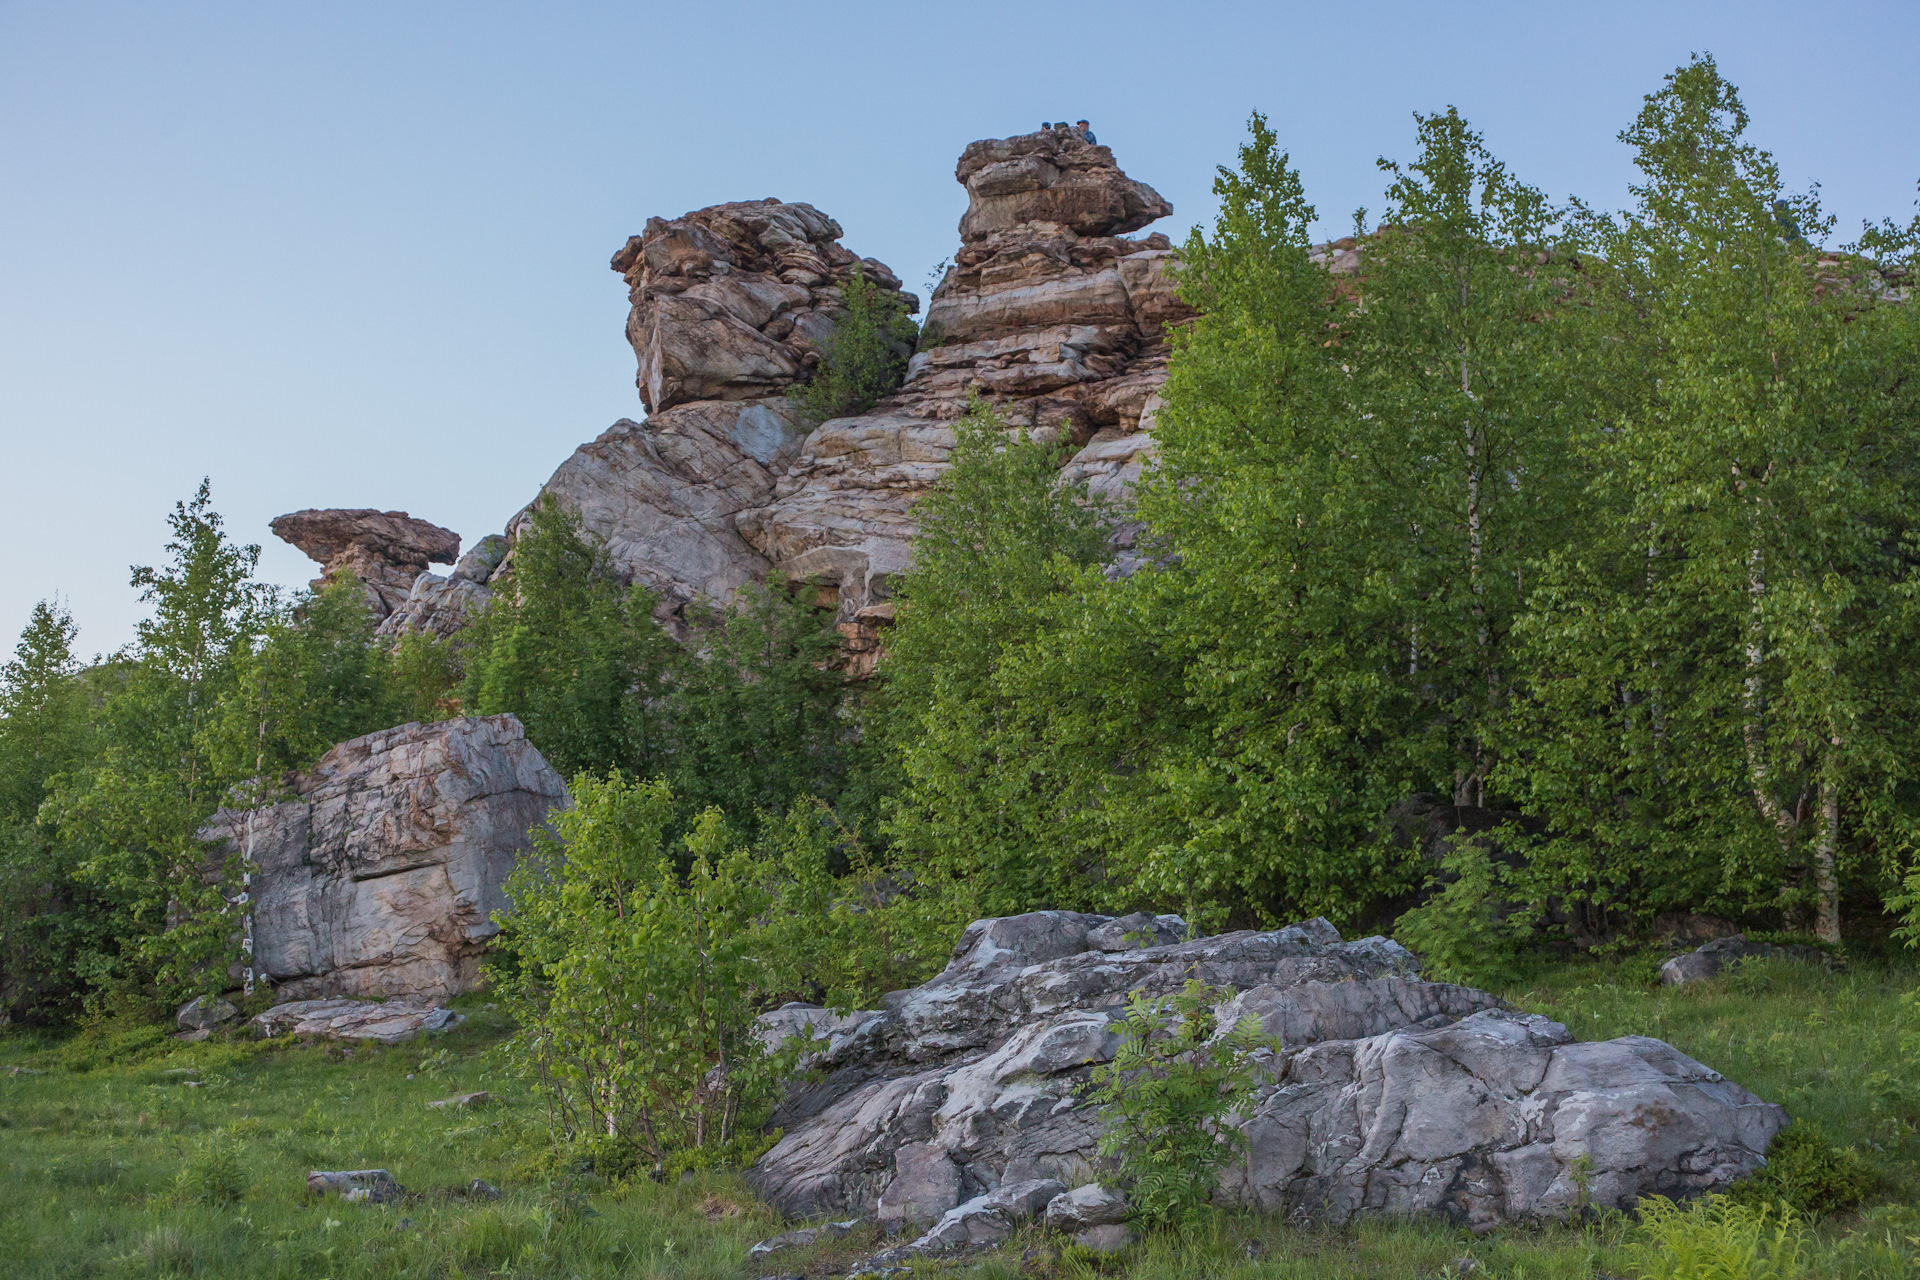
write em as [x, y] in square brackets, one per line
[388, 1023]
[385, 550]
[1390, 1093]
[380, 877]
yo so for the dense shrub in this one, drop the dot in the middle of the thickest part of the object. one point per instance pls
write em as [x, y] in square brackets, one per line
[1809, 1173]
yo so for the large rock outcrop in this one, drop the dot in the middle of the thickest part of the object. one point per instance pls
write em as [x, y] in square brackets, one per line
[1049, 313]
[380, 876]
[385, 550]
[1389, 1093]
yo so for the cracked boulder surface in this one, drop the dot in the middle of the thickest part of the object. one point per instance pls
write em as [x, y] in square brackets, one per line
[379, 878]
[1389, 1093]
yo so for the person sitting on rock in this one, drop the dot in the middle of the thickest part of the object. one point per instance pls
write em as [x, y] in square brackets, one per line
[1046, 126]
[1085, 133]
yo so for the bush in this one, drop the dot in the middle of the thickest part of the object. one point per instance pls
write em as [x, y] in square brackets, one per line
[1808, 1173]
[865, 358]
[1716, 1239]
[1166, 1096]
[1463, 932]
[635, 981]
[111, 1041]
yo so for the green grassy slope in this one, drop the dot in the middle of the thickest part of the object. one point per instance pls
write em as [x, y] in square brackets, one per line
[120, 1170]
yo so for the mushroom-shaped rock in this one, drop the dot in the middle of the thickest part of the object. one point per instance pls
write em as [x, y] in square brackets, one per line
[385, 550]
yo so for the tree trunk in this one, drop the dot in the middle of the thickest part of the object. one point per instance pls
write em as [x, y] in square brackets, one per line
[1826, 923]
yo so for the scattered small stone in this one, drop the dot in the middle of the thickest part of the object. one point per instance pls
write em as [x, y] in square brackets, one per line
[376, 1185]
[481, 1189]
[1108, 1237]
[803, 1237]
[25, 1071]
[1254, 1249]
[192, 1037]
[477, 1099]
[405, 1224]
[1464, 1266]
[181, 1071]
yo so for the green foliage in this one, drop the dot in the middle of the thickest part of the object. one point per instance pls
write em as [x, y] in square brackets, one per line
[425, 678]
[840, 931]
[571, 651]
[1807, 1173]
[1166, 1097]
[993, 807]
[1465, 931]
[134, 809]
[1713, 716]
[1717, 1239]
[53, 925]
[866, 355]
[634, 982]
[313, 678]
[756, 722]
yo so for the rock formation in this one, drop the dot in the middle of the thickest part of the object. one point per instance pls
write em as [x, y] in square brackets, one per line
[1390, 1093]
[381, 875]
[1049, 313]
[438, 605]
[385, 550]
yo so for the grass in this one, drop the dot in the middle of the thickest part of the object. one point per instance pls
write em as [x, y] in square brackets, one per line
[162, 1159]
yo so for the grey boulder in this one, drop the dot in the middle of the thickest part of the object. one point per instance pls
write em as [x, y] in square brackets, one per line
[1711, 959]
[390, 1023]
[203, 1013]
[1090, 1206]
[1389, 1094]
[379, 876]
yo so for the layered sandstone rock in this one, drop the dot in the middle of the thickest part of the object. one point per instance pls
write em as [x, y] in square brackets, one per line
[733, 301]
[1049, 313]
[1388, 1094]
[385, 550]
[381, 875]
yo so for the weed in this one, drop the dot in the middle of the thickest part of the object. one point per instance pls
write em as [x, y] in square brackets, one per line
[1717, 1239]
[212, 1174]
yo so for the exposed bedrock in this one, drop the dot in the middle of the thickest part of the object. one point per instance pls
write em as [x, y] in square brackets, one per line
[1049, 312]
[385, 550]
[1390, 1093]
[381, 875]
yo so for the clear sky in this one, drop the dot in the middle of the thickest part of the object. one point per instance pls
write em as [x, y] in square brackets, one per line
[355, 254]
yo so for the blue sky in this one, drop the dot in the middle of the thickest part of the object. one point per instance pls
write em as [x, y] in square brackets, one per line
[352, 254]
